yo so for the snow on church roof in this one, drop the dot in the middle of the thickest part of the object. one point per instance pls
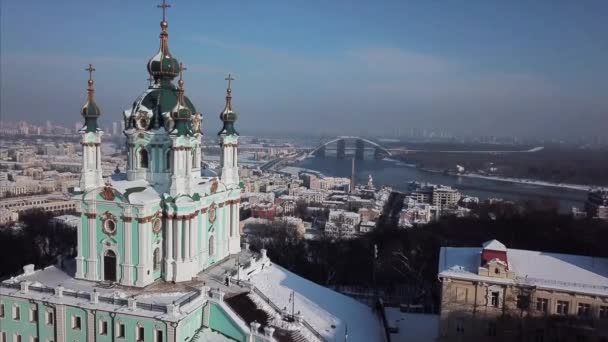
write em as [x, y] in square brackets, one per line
[495, 245]
[565, 272]
[320, 306]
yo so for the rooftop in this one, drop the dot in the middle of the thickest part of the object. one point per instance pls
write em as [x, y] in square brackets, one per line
[566, 272]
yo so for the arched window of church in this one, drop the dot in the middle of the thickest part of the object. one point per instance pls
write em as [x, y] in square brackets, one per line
[143, 158]
[168, 160]
[211, 247]
[157, 259]
[194, 158]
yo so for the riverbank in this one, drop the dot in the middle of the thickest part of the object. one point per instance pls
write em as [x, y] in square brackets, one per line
[581, 187]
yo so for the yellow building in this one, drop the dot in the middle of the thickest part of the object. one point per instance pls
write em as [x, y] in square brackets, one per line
[492, 293]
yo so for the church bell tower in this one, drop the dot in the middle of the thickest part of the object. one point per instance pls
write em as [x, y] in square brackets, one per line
[229, 141]
[90, 133]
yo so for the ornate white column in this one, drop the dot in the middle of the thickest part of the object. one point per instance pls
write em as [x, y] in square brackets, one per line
[141, 227]
[187, 238]
[194, 243]
[127, 269]
[92, 257]
[80, 247]
[179, 241]
[169, 247]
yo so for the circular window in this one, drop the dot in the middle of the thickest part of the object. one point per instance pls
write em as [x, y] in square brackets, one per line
[109, 226]
[157, 225]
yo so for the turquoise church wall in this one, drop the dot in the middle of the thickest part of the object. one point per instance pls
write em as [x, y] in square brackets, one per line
[220, 321]
[188, 327]
[38, 327]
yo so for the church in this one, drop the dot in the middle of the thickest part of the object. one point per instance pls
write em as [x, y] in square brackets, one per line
[160, 219]
[159, 255]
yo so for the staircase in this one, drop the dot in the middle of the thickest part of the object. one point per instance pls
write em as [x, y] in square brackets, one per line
[243, 306]
[297, 336]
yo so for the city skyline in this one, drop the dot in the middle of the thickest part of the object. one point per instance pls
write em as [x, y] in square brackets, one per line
[481, 69]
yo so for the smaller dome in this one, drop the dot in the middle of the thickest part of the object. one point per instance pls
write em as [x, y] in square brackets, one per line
[163, 65]
[90, 110]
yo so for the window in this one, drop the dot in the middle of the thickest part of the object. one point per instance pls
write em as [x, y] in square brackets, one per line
[492, 329]
[584, 310]
[49, 317]
[211, 245]
[561, 307]
[3, 337]
[76, 323]
[17, 338]
[33, 339]
[120, 330]
[1, 311]
[542, 304]
[103, 327]
[157, 259]
[16, 312]
[495, 299]
[139, 334]
[603, 311]
[540, 335]
[168, 160]
[460, 327]
[143, 158]
[158, 336]
[33, 314]
[523, 302]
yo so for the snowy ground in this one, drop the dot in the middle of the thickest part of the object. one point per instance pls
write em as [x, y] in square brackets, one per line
[412, 326]
[529, 181]
[330, 313]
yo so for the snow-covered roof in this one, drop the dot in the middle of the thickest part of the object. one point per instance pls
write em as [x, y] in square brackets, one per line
[320, 306]
[566, 272]
[494, 245]
[412, 326]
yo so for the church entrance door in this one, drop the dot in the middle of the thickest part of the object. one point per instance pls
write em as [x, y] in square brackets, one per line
[109, 266]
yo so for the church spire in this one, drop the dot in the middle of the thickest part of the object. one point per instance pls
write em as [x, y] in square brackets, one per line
[163, 66]
[228, 116]
[181, 113]
[90, 111]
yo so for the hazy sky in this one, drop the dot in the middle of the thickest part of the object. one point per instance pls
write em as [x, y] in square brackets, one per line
[359, 67]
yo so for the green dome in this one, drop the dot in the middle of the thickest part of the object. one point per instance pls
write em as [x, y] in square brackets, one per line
[163, 98]
[163, 65]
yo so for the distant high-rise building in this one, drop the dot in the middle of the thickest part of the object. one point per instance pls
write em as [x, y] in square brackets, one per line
[114, 128]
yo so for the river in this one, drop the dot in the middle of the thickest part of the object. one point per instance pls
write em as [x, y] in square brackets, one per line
[398, 175]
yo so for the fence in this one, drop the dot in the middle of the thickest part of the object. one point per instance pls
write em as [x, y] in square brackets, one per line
[267, 300]
[107, 300]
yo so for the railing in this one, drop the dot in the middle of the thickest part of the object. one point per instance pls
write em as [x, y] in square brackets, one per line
[115, 301]
[107, 300]
[267, 300]
[77, 295]
[151, 307]
[187, 298]
[540, 281]
[10, 286]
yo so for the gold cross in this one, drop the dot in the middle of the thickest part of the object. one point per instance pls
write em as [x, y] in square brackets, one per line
[164, 6]
[182, 68]
[229, 78]
[90, 69]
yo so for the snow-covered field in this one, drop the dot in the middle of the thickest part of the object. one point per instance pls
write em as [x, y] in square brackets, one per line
[529, 181]
[412, 326]
[330, 313]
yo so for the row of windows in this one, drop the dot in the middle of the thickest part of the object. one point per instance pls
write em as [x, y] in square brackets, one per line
[144, 159]
[76, 324]
[562, 307]
[33, 314]
[17, 338]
